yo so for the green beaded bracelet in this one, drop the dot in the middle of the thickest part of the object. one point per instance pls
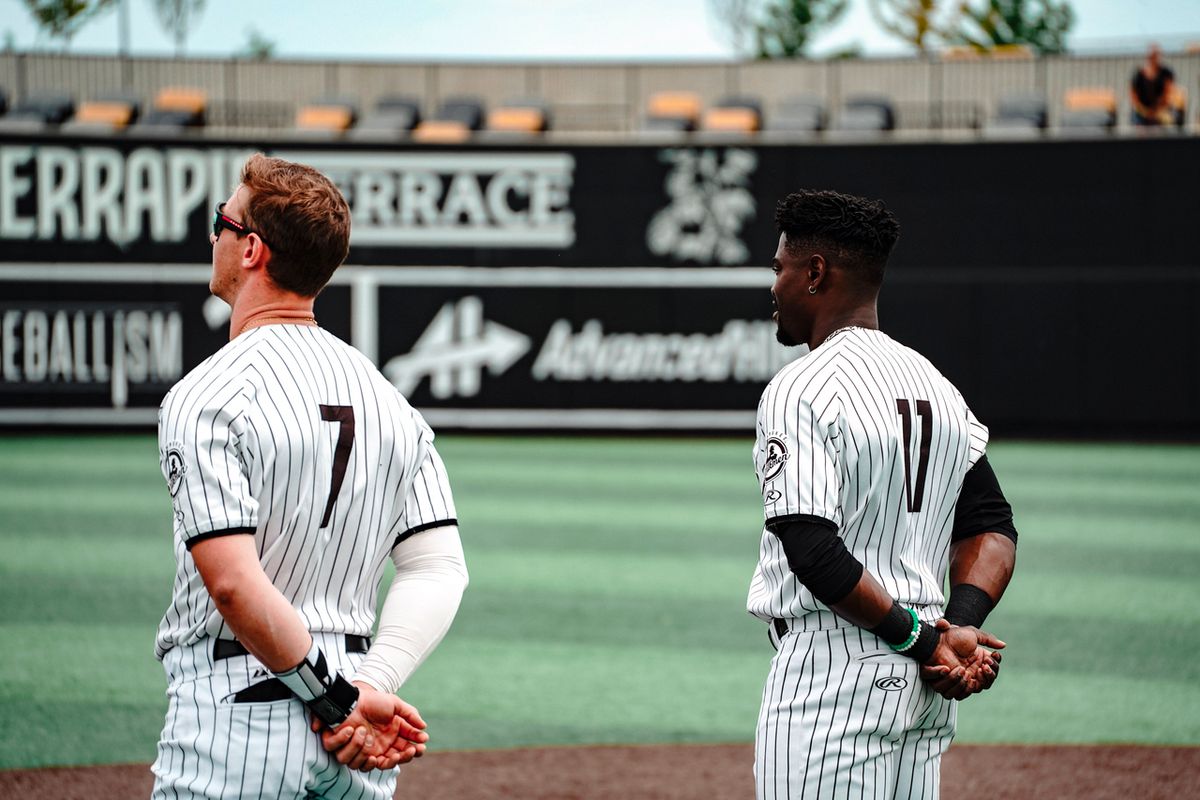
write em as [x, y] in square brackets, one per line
[912, 637]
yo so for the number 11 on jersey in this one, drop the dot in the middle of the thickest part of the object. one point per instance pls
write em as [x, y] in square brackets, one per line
[914, 494]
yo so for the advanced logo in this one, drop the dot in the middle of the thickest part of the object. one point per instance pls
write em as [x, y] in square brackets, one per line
[454, 351]
[710, 202]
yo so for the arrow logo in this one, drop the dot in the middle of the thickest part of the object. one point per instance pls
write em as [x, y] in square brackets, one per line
[454, 350]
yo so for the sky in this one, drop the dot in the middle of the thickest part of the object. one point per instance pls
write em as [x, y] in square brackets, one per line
[539, 29]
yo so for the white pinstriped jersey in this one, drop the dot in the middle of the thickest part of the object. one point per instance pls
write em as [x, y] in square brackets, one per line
[865, 433]
[293, 435]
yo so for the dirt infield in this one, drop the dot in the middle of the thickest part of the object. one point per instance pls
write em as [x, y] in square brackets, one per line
[701, 771]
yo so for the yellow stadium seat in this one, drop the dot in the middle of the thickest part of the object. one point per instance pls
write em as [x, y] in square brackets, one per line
[324, 118]
[682, 105]
[441, 131]
[517, 119]
[177, 98]
[1091, 98]
[737, 120]
[99, 112]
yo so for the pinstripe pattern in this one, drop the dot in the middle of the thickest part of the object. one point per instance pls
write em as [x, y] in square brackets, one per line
[246, 447]
[832, 444]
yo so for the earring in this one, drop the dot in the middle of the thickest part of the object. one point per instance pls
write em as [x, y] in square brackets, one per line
[812, 288]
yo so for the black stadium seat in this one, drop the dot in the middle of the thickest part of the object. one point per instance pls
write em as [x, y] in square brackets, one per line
[866, 113]
[798, 114]
[393, 117]
[1022, 110]
[467, 110]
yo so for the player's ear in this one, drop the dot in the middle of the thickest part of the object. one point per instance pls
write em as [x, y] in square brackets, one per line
[254, 251]
[816, 268]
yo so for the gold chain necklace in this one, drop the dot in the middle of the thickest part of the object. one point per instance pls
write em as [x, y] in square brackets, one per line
[254, 323]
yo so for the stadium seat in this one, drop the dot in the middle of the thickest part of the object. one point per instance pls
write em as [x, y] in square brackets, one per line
[454, 121]
[176, 108]
[38, 110]
[866, 114]
[1092, 108]
[672, 111]
[519, 116]
[107, 113]
[394, 117]
[441, 131]
[1020, 111]
[466, 110]
[798, 114]
[733, 115]
[327, 115]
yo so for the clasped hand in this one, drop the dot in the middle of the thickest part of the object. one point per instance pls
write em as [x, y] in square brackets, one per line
[962, 664]
[382, 732]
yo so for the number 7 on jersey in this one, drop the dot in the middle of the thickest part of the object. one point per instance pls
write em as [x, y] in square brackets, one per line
[344, 416]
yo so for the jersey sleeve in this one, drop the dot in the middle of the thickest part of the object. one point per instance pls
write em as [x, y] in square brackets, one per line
[978, 434]
[430, 503]
[796, 459]
[200, 455]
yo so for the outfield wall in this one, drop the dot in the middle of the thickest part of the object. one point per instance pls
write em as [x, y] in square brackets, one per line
[620, 286]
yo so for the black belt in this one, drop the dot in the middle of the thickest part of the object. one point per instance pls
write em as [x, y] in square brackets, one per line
[229, 648]
[781, 627]
[272, 689]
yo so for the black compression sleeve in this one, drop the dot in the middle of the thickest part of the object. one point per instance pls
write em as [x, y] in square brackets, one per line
[818, 556]
[981, 506]
[968, 605]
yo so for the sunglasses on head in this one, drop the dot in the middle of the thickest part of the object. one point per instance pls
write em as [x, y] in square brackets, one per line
[220, 220]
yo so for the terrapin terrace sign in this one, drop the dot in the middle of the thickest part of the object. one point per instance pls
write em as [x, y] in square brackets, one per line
[100, 193]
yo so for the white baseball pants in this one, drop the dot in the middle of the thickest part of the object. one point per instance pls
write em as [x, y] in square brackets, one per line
[843, 716]
[212, 747]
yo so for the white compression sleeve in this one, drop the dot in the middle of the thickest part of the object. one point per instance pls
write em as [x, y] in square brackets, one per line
[431, 575]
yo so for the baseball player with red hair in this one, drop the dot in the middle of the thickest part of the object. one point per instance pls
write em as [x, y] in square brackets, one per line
[296, 471]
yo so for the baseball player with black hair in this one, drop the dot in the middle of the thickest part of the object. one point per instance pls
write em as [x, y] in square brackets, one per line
[875, 484]
[296, 470]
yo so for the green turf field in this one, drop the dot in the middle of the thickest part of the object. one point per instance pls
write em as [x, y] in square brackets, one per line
[606, 600]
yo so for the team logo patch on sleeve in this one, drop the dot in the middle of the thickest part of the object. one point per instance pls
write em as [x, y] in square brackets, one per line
[777, 456]
[176, 469]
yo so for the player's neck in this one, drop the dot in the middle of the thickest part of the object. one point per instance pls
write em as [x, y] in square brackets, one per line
[252, 310]
[857, 317]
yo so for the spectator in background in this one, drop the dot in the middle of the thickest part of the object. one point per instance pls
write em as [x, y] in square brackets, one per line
[1150, 90]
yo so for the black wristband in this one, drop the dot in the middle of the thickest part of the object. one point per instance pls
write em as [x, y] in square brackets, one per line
[330, 697]
[927, 642]
[335, 705]
[968, 605]
[896, 626]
